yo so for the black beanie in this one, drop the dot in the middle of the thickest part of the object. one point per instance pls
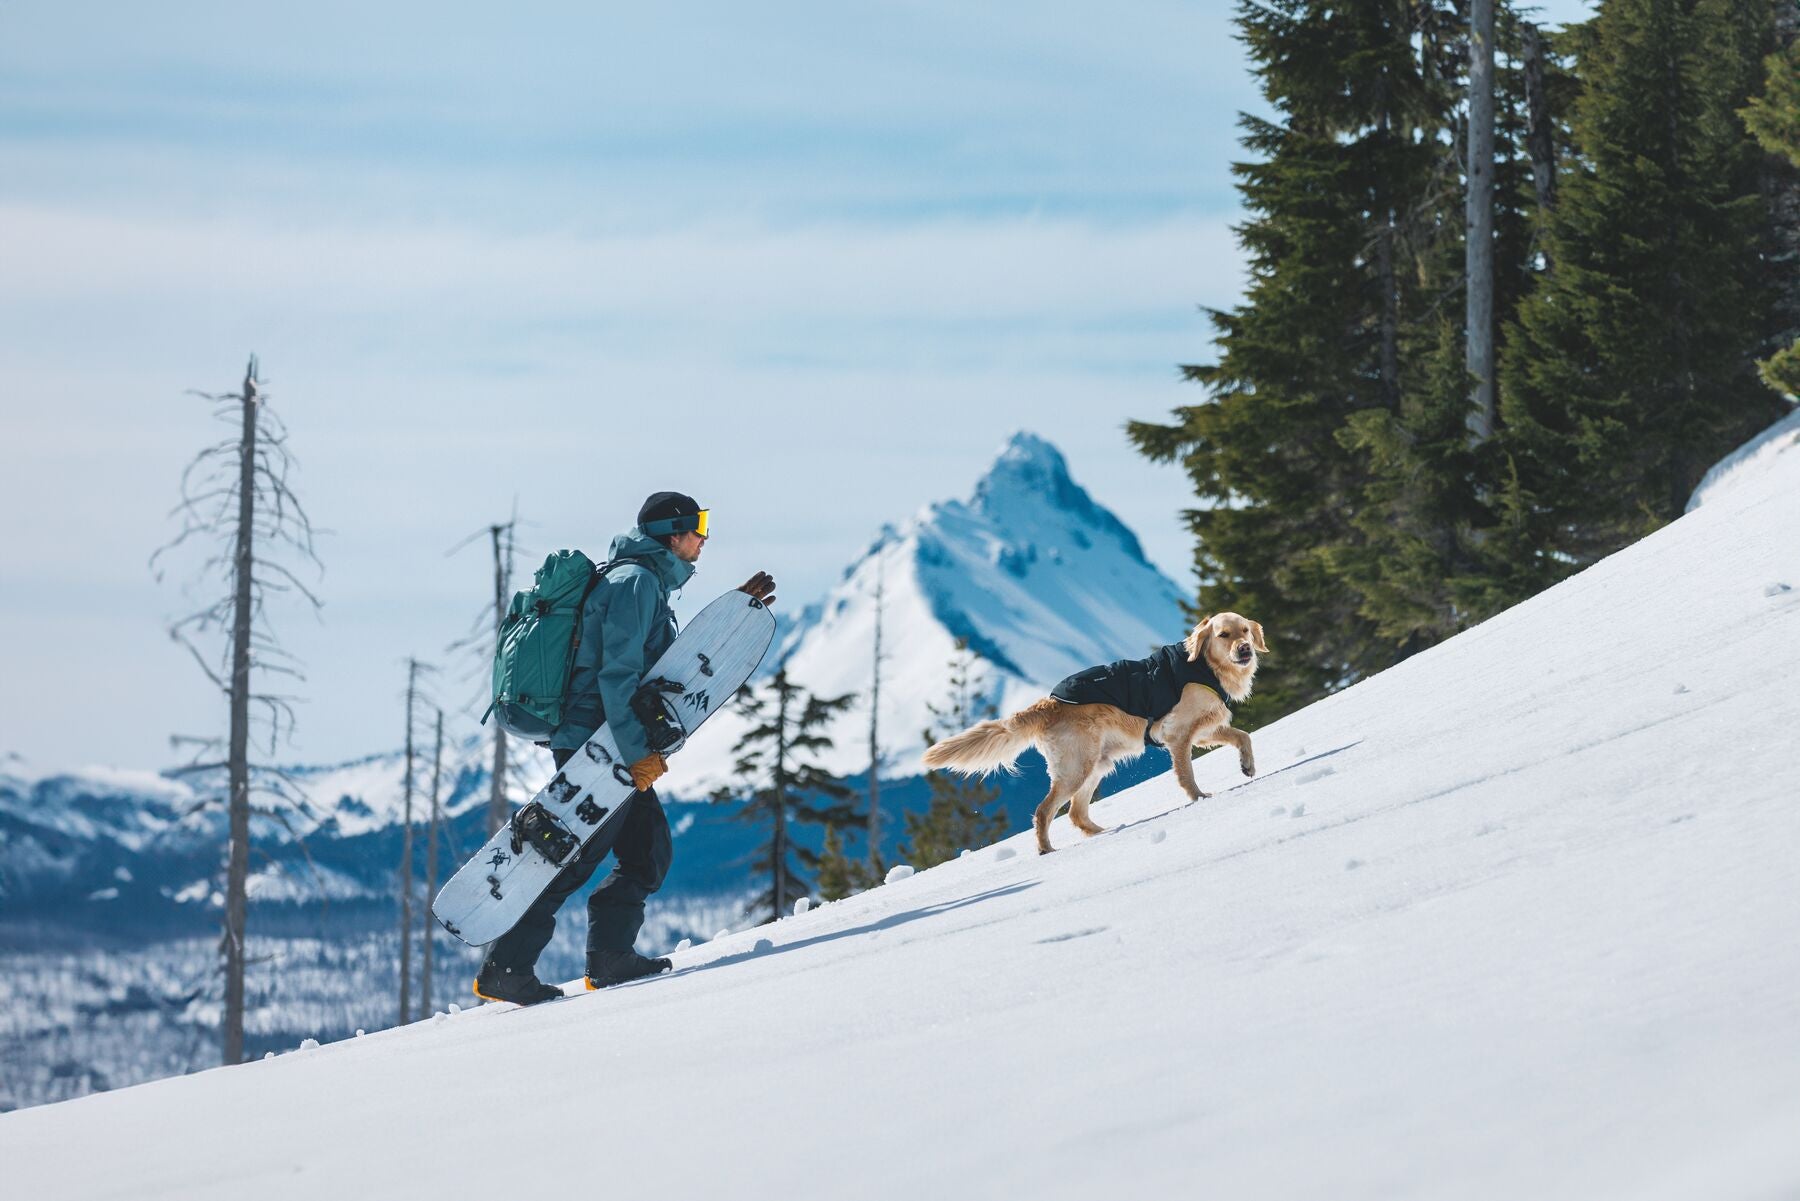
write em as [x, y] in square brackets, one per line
[660, 506]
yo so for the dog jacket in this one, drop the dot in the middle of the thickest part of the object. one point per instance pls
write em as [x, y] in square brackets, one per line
[1146, 688]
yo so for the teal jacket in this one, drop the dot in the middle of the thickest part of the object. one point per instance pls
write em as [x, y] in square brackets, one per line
[625, 625]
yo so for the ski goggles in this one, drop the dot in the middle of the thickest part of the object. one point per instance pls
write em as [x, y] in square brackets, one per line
[691, 523]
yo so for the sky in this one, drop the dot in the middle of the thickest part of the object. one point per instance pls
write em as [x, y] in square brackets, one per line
[811, 263]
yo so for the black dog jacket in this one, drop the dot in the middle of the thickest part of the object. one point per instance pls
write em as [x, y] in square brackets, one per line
[1146, 688]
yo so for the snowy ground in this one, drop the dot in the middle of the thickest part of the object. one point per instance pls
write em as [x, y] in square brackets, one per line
[1514, 919]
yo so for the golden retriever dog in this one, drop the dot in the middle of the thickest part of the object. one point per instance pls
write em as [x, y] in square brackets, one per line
[1082, 741]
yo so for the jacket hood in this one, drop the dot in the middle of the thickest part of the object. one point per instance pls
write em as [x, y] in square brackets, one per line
[635, 544]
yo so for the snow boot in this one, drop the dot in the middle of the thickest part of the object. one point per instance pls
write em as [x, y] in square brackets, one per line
[616, 967]
[519, 987]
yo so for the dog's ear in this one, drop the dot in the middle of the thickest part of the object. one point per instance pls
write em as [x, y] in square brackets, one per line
[1197, 637]
[1256, 637]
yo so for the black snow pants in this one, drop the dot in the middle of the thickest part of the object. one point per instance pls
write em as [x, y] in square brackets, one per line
[616, 909]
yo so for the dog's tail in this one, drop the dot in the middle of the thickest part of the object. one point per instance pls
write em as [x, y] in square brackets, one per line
[989, 746]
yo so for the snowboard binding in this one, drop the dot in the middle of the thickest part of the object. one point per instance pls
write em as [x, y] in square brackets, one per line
[656, 713]
[533, 826]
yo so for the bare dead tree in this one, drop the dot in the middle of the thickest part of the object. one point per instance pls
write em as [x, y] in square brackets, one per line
[414, 699]
[497, 815]
[875, 718]
[431, 863]
[1540, 135]
[485, 637]
[236, 493]
[1479, 250]
[406, 849]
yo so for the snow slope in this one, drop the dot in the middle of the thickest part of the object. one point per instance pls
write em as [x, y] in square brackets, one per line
[1039, 578]
[1513, 919]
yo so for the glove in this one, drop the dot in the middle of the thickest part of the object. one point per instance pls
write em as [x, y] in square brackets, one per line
[647, 771]
[761, 586]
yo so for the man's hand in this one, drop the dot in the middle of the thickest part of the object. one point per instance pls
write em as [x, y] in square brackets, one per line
[648, 771]
[761, 586]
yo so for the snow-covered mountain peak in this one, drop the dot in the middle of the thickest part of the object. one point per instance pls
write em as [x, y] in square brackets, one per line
[1030, 571]
[1030, 480]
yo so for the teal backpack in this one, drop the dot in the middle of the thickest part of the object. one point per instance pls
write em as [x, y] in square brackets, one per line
[537, 644]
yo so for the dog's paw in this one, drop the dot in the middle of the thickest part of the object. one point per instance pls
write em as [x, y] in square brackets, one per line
[1249, 766]
[1197, 795]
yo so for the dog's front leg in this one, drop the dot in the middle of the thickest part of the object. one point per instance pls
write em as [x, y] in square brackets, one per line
[1241, 740]
[1181, 753]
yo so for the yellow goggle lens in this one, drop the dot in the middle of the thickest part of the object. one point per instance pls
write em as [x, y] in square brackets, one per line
[705, 523]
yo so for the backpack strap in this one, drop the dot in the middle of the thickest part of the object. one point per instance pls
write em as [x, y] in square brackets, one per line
[594, 580]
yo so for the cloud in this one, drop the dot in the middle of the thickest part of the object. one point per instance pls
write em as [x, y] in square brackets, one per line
[549, 113]
[720, 290]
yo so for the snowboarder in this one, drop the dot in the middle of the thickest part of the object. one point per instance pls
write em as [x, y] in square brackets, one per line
[626, 623]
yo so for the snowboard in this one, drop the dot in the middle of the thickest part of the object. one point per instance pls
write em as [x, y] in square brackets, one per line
[586, 800]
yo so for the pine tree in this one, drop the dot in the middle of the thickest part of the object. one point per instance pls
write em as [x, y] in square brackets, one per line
[776, 758]
[1419, 509]
[961, 813]
[1436, 547]
[1332, 189]
[1630, 369]
[839, 875]
[1773, 118]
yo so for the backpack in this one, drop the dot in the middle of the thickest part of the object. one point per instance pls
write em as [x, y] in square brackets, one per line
[535, 651]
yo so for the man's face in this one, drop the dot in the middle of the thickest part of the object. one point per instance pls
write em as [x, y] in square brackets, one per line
[687, 547]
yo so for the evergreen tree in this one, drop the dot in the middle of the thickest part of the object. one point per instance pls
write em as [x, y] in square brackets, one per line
[776, 758]
[841, 876]
[1630, 368]
[1438, 537]
[1333, 190]
[961, 813]
[1416, 569]
[1774, 120]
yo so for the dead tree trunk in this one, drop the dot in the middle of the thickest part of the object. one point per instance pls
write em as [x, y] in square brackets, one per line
[1479, 251]
[875, 726]
[1390, 289]
[248, 472]
[1540, 138]
[427, 936]
[237, 865]
[406, 850]
[405, 856]
[497, 814]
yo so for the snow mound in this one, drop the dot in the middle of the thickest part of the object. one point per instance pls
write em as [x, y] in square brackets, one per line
[1748, 461]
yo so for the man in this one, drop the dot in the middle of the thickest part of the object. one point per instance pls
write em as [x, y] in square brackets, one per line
[626, 624]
